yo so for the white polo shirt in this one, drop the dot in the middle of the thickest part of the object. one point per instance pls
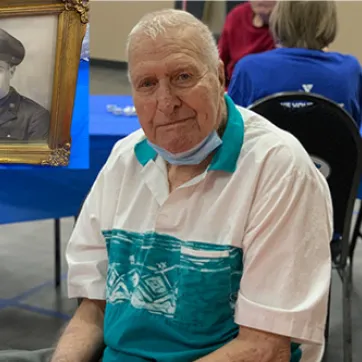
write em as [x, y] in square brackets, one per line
[244, 243]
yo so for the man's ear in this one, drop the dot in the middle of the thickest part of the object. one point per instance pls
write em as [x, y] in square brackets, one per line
[221, 74]
[12, 70]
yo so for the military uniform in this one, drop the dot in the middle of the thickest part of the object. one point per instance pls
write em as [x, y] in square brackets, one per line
[21, 119]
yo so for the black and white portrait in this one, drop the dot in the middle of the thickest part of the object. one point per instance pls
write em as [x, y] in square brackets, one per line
[27, 59]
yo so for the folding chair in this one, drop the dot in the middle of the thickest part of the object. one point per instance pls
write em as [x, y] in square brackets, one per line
[332, 139]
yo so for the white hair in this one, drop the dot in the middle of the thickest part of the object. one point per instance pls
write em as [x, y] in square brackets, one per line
[159, 22]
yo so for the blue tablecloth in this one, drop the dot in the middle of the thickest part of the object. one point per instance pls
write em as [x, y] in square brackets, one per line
[107, 124]
[105, 128]
[27, 195]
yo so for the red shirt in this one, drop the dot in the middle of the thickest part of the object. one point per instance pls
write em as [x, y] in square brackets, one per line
[240, 37]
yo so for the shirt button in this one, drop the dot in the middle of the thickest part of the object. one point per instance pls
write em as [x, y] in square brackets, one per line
[12, 105]
[8, 136]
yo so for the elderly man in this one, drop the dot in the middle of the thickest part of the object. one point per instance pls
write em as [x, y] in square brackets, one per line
[206, 235]
[21, 119]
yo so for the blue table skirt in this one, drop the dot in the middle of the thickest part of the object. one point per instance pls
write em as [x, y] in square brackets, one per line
[79, 154]
[28, 195]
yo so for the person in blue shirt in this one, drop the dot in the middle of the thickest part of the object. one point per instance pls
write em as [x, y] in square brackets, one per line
[303, 30]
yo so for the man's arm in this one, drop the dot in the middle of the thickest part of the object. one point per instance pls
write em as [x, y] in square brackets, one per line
[286, 266]
[86, 254]
[252, 345]
[82, 340]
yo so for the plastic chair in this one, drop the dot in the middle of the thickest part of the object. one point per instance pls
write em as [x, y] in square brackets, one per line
[332, 139]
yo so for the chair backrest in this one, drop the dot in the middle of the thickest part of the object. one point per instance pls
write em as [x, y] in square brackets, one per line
[332, 139]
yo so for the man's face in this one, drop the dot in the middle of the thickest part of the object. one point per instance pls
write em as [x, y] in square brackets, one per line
[263, 9]
[6, 73]
[178, 98]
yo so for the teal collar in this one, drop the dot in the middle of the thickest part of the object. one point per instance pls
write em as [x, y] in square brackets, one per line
[226, 156]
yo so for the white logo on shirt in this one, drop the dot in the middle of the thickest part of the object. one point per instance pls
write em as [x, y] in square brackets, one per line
[307, 87]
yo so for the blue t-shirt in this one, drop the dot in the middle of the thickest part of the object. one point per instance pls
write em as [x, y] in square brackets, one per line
[333, 75]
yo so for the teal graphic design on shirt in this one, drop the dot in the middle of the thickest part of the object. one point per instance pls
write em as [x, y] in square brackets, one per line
[171, 277]
[169, 299]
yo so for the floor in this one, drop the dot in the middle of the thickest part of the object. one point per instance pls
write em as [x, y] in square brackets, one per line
[33, 313]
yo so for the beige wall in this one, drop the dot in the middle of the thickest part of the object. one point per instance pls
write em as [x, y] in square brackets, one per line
[215, 15]
[349, 39]
[112, 20]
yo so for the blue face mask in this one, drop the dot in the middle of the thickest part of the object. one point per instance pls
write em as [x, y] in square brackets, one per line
[194, 156]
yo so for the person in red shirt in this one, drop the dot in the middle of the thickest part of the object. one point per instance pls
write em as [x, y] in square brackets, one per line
[246, 31]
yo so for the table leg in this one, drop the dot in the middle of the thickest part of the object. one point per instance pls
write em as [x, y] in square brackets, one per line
[57, 252]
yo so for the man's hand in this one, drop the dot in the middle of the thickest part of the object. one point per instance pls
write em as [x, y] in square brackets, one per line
[82, 340]
[252, 345]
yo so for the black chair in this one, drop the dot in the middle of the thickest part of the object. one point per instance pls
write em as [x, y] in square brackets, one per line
[332, 139]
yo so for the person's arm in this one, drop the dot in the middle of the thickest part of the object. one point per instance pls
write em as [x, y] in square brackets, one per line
[82, 340]
[250, 346]
[38, 128]
[223, 45]
[283, 294]
[86, 254]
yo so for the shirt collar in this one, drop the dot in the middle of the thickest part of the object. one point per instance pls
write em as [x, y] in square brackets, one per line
[226, 156]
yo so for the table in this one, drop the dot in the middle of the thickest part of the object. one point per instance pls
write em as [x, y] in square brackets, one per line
[106, 129]
[53, 193]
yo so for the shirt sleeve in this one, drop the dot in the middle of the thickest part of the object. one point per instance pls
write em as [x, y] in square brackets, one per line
[287, 266]
[86, 252]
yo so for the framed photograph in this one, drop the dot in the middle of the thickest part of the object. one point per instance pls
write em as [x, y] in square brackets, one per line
[40, 47]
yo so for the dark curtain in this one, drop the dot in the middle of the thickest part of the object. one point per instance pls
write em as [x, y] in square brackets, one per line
[196, 8]
[231, 4]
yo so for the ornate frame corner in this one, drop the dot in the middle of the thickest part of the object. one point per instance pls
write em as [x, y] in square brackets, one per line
[80, 6]
[58, 157]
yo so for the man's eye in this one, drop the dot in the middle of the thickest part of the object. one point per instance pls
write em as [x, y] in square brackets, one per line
[184, 76]
[147, 84]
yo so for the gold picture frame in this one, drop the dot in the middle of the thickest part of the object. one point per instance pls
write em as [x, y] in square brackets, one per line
[72, 19]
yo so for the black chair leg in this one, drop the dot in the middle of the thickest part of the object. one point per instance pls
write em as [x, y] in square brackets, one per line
[356, 234]
[57, 253]
[326, 330]
[347, 314]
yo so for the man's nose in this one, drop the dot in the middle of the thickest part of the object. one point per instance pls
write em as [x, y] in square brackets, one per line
[167, 98]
